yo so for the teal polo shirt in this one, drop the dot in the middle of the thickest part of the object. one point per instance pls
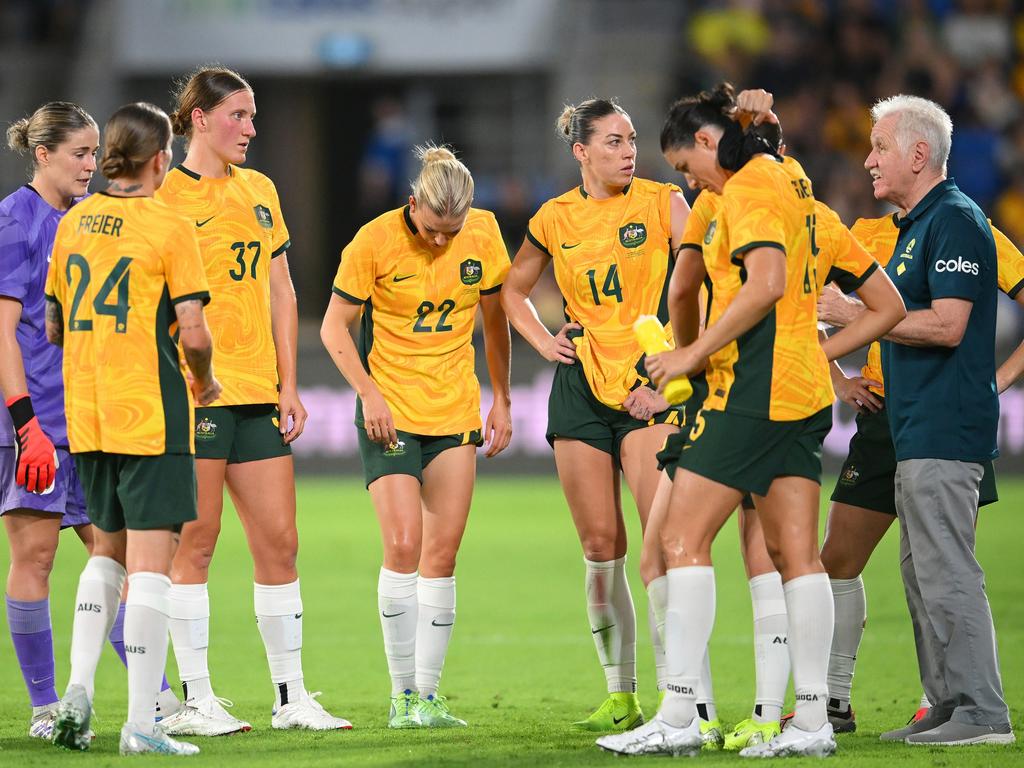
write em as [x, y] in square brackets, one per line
[942, 402]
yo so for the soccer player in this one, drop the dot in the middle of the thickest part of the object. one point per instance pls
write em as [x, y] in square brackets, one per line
[62, 139]
[124, 285]
[863, 502]
[612, 243]
[414, 278]
[761, 426]
[244, 438]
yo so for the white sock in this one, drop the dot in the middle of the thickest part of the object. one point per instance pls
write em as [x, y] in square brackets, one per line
[612, 622]
[190, 636]
[811, 617]
[851, 611]
[96, 604]
[434, 623]
[771, 647]
[145, 644]
[689, 619]
[657, 595]
[397, 602]
[279, 617]
[705, 691]
[925, 704]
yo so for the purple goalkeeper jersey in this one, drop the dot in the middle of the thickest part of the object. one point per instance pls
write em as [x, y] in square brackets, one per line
[28, 225]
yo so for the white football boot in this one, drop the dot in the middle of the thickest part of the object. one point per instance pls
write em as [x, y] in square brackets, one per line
[656, 738]
[136, 742]
[309, 714]
[795, 742]
[204, 717]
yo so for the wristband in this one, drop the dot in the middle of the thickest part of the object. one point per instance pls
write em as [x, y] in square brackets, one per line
[20, 407]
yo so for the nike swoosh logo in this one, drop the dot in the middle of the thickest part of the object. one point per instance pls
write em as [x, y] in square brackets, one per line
[204, 223]
[298, 615]
[41, 680]
[434, 623]
[602, 629]
[400, 278]
[618, 720]
[569, 247]
[391, 615]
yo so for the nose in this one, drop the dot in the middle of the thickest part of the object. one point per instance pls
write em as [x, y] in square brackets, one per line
[90, 162]
[250, 128]
[440, 240]
[870, 161]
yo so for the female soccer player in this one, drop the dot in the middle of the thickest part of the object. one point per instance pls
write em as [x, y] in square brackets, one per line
[609, 240]
[244, 438]
[415, 276]
[761, 426]
[62, 139]
[125, 283]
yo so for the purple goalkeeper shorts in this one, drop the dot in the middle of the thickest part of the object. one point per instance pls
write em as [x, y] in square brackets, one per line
[66, 498]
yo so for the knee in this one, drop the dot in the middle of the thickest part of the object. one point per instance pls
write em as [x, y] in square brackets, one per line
[838, 561]
[198, 542]
[36, 559]
[402, 554]
[652, 566]
[600, 544]
[438, 563]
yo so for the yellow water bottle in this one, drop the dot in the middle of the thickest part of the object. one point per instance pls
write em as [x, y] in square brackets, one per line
[651, 335]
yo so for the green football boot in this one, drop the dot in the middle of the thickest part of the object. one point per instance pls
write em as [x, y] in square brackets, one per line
[711, 733]
[433, 712]
[619, 712]
[405, 712]
[750, 732]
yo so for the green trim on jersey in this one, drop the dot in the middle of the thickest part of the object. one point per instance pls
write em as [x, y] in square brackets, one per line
[537, 243]
[173, 389]
[847, 281]
[281, 249]
[751, 389]
[364, 344]
[751, 246]
[203, 296]
[348, 296]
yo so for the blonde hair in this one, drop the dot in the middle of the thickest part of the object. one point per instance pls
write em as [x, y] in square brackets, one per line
[919, 120]
[132, 136]
[49, 126]
[444, 184]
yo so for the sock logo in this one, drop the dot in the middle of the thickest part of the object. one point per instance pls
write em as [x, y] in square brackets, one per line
[135, 649]
[807, 697]
[434, 623]
[779, 640]
[602, 629]
[685, 690]
[89, 607]
[391, 615]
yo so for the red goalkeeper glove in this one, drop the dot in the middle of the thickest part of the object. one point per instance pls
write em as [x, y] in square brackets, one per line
[36, 468]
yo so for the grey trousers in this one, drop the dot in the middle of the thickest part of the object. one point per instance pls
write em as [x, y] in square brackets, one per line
[937, 503]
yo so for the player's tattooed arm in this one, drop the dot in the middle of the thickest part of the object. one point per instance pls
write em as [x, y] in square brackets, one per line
[197, 344]
[54, 323]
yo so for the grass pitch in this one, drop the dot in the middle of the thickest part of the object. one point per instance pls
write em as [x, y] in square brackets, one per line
[522, 665]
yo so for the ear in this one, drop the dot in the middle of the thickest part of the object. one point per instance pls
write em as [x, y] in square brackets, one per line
[42, 155]
[579, 151]
[412, 204]
[919, 155]
[199, 119]
[704, 139]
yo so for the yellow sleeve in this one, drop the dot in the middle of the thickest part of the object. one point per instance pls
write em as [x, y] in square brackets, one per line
[497, 260]
[354, 281]
[183, 266]
[54, 284]
[1011, 264]
[281, 240]
[665, 205]
[752, 211]
[697, 222]
[536, 230]
[849, 264]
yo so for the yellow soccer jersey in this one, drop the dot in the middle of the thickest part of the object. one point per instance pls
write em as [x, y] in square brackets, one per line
[879, 238]
[612, 260]
[240, 227]
[119, 266]
[776, 370]
[840, 257]
[701, 215]
[416, 333]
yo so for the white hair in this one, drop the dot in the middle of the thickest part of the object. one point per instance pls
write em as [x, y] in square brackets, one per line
[919, 120]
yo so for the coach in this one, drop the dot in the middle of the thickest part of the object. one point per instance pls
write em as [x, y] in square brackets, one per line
[939, 368]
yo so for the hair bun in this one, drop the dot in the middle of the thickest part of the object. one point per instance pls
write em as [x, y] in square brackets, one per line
[17, 135]
[564, 122]
[432, 153]
[723, 97]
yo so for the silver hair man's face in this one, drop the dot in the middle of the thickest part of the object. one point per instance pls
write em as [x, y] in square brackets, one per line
[890, 167]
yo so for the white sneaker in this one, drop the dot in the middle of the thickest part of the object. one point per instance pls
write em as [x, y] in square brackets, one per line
[167, 704]
[41, 726]
[204, 717]
[135, 742]
[307, 713]
[656, 738]
[796, 742]
[71, 726]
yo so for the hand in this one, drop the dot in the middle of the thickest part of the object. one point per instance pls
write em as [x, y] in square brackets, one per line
[205, 392]
[854, 391]
[291, 411]
[643, 403]
[836, 308]
[377, 419]
[35, 464]
[562, 349]
[498, 428]
[757, 103]
[664, 367]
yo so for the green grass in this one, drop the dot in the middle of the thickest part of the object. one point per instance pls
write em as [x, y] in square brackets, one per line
[522, 664]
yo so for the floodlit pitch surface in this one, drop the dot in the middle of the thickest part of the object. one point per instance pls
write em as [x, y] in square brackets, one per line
[521, 665]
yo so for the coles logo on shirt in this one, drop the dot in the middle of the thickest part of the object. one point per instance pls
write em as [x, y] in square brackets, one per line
[959, 264]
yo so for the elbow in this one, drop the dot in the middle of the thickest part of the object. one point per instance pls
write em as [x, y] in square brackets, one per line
[325, 334]
[951, 337]
[55, 338]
